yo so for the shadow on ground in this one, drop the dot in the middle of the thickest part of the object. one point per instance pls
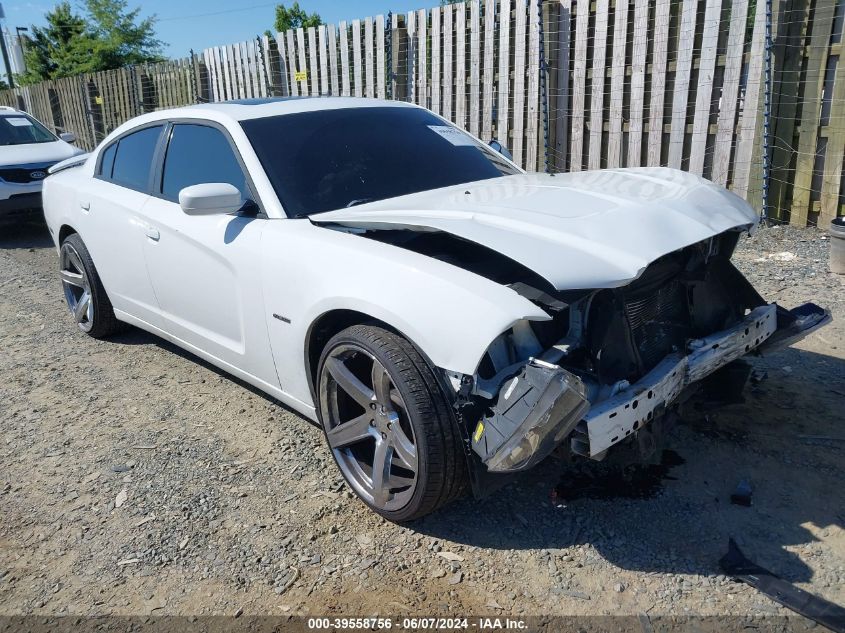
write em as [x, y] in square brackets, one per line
[24, 231]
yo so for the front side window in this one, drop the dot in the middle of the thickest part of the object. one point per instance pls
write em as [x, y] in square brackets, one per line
[330, 159]
[21, 129]
[133, 159]
[199, 154]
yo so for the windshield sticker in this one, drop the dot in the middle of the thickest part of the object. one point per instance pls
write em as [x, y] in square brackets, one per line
[451, 134]
[18, 121]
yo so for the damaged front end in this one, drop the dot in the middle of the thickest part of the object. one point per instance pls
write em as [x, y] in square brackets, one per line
[611, 362]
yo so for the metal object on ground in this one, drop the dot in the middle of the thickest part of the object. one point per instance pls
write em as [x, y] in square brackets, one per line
[735, 564]
[535, 411]
[741, 496]
[837, 246]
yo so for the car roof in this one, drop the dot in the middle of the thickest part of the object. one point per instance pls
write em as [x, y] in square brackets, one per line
[244, 109]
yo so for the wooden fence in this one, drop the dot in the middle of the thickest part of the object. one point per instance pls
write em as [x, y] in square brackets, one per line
[565, 84]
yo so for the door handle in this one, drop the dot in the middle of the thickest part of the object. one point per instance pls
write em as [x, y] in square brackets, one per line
[85, 206]
[153, 234]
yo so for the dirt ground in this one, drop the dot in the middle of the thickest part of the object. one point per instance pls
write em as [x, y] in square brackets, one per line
[136, 479]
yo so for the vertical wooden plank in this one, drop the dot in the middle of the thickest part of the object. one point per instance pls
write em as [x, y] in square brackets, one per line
[504, 72]
[448, 60]
[247, 68]
[559, 103]
[291, 53]
[658, 81]
[810, 113]
[579, 84]
[681, 98]
[597, 89]
[474, 70]
[381, 84]
[532, 124]
[303, 64]
[422, 58]
[704, 93]
[617, 86]
[313, 67]
[344, 59]
[333, 71]
[357, 74]
[240, 90]
[518, 138]
[396, 55]
[412, 57]
[788, 56]
[460, 65]
[730, 92]
[228, 86]
[638, 54]
[832, 178]
[488, 73]
[324, 65]
[369, 59]
[435, 60]
[750, 109]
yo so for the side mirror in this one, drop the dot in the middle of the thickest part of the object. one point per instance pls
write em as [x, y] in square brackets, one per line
[212, 198]
[68, 137]
[496, 145]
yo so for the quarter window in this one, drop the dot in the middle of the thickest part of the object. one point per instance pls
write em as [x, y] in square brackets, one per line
[107, 161]
[134, 158]
[199, 154]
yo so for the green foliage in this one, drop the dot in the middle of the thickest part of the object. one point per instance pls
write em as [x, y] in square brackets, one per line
[107, 36]
[294, 18]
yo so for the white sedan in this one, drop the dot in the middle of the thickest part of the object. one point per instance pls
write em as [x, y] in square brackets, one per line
[445, 317]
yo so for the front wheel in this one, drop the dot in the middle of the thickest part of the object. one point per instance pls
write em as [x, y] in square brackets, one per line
[388, 423]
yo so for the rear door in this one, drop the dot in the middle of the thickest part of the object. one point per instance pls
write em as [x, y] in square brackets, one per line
[205, 269]
[113, 207]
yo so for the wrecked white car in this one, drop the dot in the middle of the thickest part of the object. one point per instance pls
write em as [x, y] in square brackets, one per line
[444, 316]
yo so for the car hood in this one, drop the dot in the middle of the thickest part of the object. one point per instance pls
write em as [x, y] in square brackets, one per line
[592, 229]
[35, 153]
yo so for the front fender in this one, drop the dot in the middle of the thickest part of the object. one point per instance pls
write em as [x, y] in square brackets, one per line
[450, 314]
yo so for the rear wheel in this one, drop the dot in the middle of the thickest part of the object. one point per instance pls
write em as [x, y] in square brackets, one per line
[84, 293]
[388, 424]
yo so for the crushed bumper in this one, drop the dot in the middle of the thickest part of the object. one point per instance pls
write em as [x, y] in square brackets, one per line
[543, 404]
[614, 419]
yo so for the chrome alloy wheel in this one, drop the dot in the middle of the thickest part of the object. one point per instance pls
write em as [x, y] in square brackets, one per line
[368, 428]
[76, 287]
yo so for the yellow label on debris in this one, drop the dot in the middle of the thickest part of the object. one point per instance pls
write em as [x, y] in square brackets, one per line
[98, 100]
[479, 431]
[300, 76]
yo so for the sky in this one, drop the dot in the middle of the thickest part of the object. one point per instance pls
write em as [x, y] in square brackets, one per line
[197, 24]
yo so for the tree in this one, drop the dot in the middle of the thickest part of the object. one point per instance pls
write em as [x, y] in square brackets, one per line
[53, 50]
[108, 36]
[118, 39]
[294, 18]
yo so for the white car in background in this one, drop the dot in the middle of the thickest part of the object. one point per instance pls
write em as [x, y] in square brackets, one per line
[27, 151]
[446, 317]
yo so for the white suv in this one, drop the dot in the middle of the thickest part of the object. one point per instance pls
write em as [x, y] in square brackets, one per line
[27, 151]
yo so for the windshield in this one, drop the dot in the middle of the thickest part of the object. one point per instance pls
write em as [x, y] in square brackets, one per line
[20, 129]
[330, 159]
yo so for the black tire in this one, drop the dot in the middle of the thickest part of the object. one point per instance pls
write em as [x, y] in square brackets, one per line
[441, 465]
[100, 321]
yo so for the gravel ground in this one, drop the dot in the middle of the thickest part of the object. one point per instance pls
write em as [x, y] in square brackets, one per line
[136, 479]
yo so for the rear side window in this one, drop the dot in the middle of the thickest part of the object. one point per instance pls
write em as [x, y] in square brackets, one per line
[134, 158]
[200, 154]
[107, 161]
